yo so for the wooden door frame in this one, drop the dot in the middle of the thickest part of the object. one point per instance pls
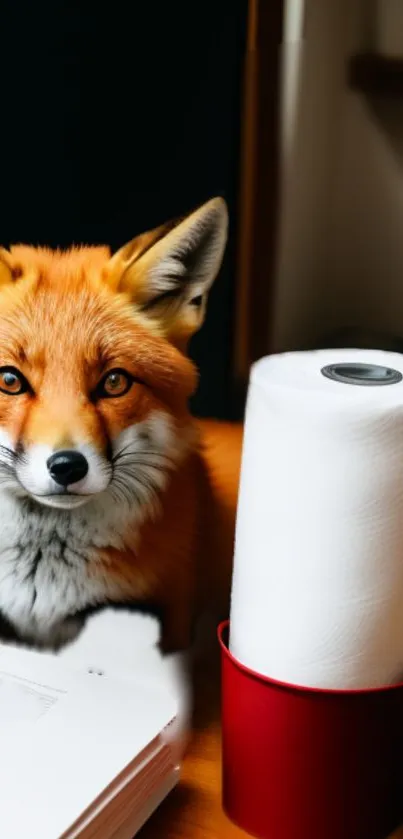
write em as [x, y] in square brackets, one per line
[259, 185]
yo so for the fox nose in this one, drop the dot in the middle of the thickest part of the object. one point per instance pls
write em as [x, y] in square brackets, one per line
[67, 467]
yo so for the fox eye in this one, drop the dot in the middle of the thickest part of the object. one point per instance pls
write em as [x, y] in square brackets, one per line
[12, 381]
[115, 383]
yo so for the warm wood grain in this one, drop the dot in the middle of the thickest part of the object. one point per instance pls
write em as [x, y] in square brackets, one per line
[193, 810]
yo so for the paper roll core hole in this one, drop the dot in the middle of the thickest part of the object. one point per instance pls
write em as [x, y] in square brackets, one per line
[351, 373]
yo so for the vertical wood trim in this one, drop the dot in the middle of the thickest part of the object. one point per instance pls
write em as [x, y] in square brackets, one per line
[257, 216]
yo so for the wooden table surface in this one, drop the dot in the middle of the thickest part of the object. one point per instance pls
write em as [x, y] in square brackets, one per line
[193, 810]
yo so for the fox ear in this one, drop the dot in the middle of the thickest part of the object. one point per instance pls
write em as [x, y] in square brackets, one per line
[131, 253]
[6, 274]
[169, 272]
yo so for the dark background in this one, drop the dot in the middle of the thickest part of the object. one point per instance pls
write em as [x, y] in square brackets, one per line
[116, 118]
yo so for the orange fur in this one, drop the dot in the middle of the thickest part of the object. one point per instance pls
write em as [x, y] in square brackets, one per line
[65, 319]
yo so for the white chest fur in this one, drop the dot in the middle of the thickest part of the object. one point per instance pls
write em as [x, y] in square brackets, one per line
[48, 565]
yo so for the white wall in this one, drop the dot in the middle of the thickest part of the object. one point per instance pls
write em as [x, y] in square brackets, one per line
[340, 250]
[367, 212]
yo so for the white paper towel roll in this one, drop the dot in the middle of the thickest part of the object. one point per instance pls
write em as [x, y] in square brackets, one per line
[317, 593]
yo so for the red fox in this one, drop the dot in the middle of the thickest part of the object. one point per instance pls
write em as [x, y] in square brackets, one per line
[110, 492]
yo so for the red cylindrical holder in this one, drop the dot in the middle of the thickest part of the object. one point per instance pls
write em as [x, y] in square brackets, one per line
[301, 763]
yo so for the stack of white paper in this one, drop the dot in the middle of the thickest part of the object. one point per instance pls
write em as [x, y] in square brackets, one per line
[82, 754]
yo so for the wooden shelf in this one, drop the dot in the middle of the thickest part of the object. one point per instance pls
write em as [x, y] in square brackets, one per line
[375, 75]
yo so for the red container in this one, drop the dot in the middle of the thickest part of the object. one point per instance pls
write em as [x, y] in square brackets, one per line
[302, 763]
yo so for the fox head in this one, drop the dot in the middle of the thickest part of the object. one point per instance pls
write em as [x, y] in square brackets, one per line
[94, 373]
